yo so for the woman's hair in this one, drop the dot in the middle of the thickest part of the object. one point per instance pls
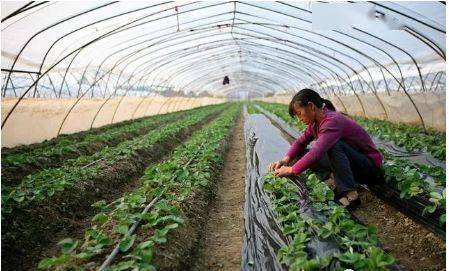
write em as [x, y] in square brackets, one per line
[304, 96]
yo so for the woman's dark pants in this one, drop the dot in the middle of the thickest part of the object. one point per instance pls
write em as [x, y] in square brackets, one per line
[350, 167]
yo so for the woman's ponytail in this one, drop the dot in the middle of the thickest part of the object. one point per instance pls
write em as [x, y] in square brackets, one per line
[328, 104]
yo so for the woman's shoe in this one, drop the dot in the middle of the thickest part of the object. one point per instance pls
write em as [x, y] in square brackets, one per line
[351, 204]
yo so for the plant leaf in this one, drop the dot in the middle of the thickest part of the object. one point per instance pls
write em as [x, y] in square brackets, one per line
[127, 242]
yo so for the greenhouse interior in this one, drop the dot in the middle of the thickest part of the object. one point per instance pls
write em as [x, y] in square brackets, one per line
[223, 135]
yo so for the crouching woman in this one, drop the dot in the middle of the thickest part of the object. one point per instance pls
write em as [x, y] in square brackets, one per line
[343, 154]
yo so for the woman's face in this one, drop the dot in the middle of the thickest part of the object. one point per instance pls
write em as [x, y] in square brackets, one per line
[305, 114]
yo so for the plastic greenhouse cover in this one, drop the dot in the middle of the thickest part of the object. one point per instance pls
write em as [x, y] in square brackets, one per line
[270, 46]
[263, 235]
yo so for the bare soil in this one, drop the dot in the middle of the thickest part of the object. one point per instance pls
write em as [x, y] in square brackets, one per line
[221, 245]
[413, 246]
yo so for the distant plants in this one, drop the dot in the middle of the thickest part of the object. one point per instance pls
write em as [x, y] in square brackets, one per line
[281, 110]
[48, 182]
[408, 136]
[64, 148]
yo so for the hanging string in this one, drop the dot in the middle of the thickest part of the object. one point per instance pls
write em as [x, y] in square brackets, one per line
[177, 16]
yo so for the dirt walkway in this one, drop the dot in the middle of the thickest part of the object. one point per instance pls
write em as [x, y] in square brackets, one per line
[221, 246]
[414, 247]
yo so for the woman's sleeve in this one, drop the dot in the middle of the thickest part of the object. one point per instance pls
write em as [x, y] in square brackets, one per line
[328, 135]
[301, 143]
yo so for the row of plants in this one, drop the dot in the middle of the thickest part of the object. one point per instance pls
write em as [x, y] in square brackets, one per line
[251, 109]
[408, 136]
[408, 177]
[355, 245]
[410, 180]
[48, 182]
[281, 110]
[67, 139]
[17, 165]
[173, 181]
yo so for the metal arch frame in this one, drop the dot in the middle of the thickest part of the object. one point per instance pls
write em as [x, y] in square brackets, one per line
[141, 18]
[144, 55]
[441, 55]
[380, 49]
[417, 67]
[433, 81]
[76, 102]
[341, 43]
[88, 25]
[125, 24]
[129, 55]
[438, 82]
[112, 32]
[234, 12]
[192, 80]
[49, 27]
[178, 70]
[305, 59]
[408, 16]
[79, 47]
[177, 96]
[128, 80]
[211, 80]
[318, 51]
[208, 76]
[161, 107]
[336, 60]
[292, 76]
[427, 41]
[24, 8]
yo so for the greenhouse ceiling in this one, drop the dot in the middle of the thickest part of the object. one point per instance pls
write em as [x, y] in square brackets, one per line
[102, 49]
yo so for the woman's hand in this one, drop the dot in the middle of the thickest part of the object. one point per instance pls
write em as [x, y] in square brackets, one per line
[276, 165]
[279, 164]
[283, 171]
